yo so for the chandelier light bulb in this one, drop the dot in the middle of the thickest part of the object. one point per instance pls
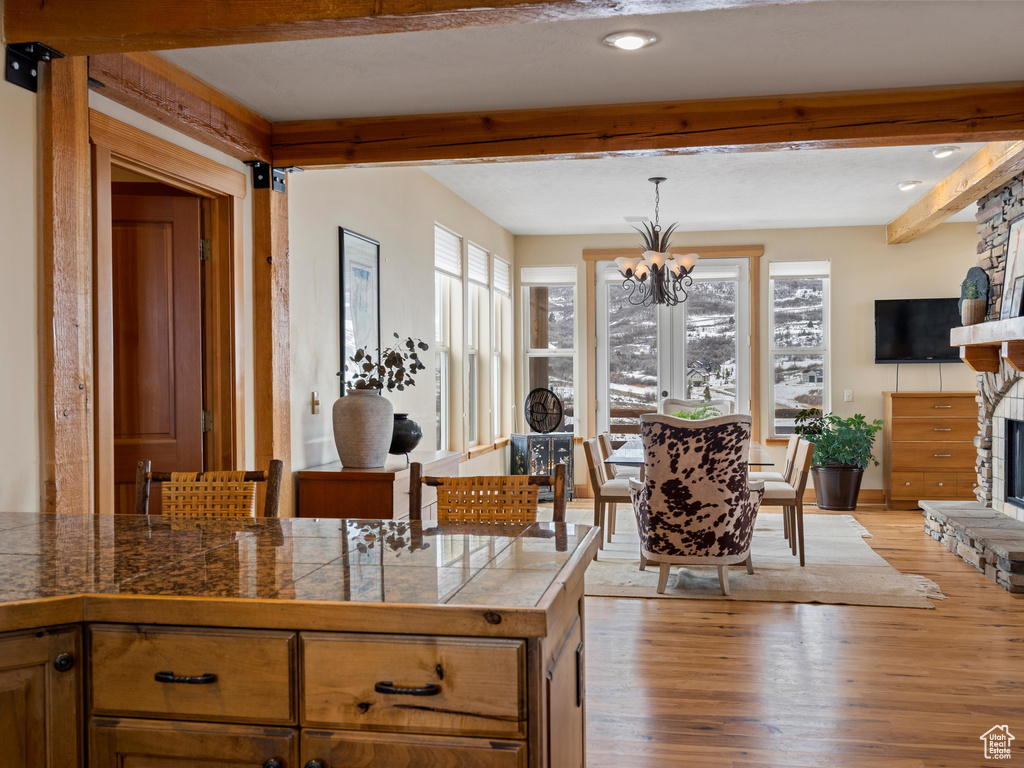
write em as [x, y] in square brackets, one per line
[688, 261]
[654, 259]
[632, 40]
[627, 265]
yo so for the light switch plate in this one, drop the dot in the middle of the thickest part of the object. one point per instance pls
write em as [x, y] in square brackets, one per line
[848, 396]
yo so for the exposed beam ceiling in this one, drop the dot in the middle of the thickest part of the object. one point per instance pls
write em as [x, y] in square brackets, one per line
[77, 27]
[155, 87]
[981, 173]
[891, 117]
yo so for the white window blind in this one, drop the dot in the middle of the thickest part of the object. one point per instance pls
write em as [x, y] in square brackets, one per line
[784, 269]
[502, 276]
[477, 268]
[447, 251]
[548, 275]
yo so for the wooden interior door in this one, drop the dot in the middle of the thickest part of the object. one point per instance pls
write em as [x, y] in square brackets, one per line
[157, 324]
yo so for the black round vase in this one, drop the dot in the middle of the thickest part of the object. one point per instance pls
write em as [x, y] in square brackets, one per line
[407, 434]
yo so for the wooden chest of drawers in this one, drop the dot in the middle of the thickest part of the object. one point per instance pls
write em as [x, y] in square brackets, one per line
[928, 447]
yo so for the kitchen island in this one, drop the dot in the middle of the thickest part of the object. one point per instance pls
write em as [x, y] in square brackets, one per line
[292, 642]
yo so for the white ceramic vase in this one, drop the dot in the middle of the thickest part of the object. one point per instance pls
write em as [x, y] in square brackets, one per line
[363, 425]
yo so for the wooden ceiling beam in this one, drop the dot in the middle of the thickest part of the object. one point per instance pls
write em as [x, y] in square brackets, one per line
[941, 114]
[987, 169]
[86, 27]
[151, 85]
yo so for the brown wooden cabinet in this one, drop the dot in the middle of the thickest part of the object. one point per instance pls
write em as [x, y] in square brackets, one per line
[114, 743]
[344, 748]
[928, 447]
[379, 493]
[41, 699]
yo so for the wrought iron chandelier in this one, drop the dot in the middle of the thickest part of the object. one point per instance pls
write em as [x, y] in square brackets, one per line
[657, 276]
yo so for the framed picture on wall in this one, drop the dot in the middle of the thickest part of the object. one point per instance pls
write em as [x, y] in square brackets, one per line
[1018, 293]
[1014, 270]
[360, 298]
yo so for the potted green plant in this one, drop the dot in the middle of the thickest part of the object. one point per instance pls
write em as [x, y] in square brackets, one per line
[972, 305]
[700, 412]
[364, 422]
[842, 451]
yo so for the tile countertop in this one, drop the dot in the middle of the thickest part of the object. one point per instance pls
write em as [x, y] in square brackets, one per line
[288, 571]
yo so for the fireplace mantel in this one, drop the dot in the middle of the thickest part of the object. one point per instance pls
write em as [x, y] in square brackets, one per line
[984, 344]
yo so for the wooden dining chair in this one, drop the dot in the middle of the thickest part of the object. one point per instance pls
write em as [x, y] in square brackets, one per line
[487, 498]
[790, 496]
[786, 475]
[612, 471]
[208, 494]
[608, 492]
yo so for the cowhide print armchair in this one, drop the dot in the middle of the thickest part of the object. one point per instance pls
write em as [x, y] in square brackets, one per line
[696, 505]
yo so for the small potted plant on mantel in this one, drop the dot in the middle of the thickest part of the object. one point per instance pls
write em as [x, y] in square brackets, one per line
[973, 305]
[842, 451]
[364, 421]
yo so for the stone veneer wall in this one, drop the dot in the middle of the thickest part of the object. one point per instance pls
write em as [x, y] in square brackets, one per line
[996, 211]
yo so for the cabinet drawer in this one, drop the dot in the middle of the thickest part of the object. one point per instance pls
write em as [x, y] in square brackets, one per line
[936, 430]
[935, 407]
[414, 684]
[938, 485]
[907, 485]
[938, 456]
[966, 483]
[395, 751]
[250, 673]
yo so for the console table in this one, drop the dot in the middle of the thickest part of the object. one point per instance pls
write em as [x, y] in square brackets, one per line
[381, 493]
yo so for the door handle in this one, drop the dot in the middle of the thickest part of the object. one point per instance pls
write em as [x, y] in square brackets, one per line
[169, 677]
[664, 393]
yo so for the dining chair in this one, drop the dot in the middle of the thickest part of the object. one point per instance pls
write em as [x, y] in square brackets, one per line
[608, 492]
[787, 473]
[790, 496]
[208, 494]
[695, 505]
[487, 498]
[612, 471]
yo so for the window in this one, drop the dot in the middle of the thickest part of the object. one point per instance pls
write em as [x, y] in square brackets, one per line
[549, 299]
[501, 315]
[447, 287]
[477, 321]
[798, 333]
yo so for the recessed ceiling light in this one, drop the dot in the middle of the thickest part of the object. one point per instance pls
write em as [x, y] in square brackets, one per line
[906, 186]
[632, 40]
[941, 152]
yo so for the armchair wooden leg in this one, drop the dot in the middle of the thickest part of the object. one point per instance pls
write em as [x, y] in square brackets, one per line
[643, 562]
[723, 579]
[750, 565]
[663, 578]
[799, 517]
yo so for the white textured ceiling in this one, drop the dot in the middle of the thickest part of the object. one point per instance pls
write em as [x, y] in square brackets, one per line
[748, 190]
[817, 46]
[830, 45]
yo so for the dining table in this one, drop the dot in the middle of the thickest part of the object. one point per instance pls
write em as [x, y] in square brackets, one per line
[631, 454]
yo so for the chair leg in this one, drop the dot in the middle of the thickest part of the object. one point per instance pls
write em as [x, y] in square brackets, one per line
[791, 511]
[611, 520]
[723, 579]
[599, 514]
[663, 578]
[643, 561]
[799, 518]
[785, 523]
[750, 565]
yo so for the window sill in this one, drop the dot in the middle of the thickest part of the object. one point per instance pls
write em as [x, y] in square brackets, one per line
[483, 450]
[777, 441]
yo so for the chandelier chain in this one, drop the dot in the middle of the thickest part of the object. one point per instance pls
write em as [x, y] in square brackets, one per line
[657, 206]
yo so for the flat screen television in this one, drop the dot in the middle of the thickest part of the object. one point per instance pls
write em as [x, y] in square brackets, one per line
[915, 330]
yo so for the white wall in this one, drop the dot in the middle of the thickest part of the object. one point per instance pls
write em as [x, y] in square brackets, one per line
[397, 207]
[20, 448]
[863, 269]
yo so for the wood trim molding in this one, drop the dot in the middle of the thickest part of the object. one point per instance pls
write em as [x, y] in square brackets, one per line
[104, 26]
[103, 319]
[149, 155]
[705, 251]
[151, 85]
[987, 169]
[271, 337]
[66, 327]
[898, 116]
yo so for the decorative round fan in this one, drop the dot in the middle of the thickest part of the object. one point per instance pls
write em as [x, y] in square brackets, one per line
[543, 410]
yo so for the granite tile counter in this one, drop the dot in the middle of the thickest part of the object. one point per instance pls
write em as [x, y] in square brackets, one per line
[103, 565]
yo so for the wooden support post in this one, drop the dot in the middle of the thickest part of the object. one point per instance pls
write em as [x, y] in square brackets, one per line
[1013, 353]
[272, 348]
[981, 358]
[66, 311]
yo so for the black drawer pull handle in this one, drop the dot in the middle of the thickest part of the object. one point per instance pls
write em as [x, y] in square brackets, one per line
[170, 677]
[430, 689]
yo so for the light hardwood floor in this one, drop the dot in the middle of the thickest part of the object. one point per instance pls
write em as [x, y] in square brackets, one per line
[717, 684]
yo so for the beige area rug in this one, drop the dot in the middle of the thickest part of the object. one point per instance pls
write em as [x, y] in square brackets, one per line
[841, 568]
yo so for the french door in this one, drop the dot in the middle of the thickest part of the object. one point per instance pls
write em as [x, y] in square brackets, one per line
[697, 350]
